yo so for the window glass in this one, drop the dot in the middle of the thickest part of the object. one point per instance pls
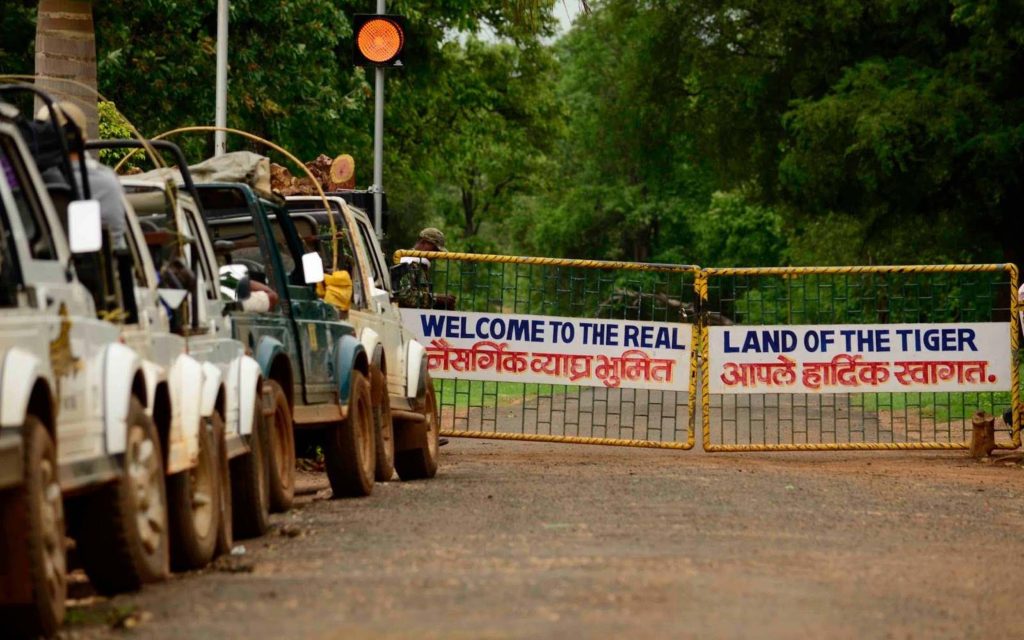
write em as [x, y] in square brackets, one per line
[376, 268]
[29, 209]
[203, 250]
[154, 213]
[291, 246]
[314, 232]
[347, 261]
[247, 250]
[8, 267]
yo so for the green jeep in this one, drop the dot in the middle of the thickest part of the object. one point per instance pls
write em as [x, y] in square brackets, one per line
[298, 339]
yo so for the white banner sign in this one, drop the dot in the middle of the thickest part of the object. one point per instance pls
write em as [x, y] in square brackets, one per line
[860, 358]
[544, 349]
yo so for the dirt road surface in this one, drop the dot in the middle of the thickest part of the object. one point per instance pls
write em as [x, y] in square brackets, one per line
[553, 541]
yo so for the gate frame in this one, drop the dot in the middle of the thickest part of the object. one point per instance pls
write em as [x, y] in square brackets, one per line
[586, 264]
[702, 294]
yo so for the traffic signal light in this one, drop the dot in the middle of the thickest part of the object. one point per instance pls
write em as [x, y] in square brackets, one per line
[378, 41]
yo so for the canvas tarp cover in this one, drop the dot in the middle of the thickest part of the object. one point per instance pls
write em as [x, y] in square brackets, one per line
[238, 166]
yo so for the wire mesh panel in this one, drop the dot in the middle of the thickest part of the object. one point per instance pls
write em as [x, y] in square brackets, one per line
[560, 350]
[858, 357]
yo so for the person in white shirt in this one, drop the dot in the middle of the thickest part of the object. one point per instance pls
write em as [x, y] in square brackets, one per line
[103, 183]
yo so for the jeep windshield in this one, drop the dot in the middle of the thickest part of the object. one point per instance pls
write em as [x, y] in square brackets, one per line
[229, 215]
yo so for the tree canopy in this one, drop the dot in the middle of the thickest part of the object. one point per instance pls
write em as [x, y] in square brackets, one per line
[710, 132]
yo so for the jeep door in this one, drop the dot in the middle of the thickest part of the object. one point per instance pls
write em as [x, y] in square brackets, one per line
[253, 248]
[386, 314]
[55, 317]
[318, 324]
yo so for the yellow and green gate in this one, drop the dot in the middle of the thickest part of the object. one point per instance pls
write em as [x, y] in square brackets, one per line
[578, 351]
[767, 359]
[879, 357]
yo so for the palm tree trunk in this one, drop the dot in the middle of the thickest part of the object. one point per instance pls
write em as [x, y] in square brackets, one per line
[66, 48]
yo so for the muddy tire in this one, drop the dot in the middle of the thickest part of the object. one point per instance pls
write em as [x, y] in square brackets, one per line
[250, 482]
[123, 543]
[225, 526]
[193, 501]
[33, 523]
[383, 426]
[417, 458]
[282, 451]
[349, 446]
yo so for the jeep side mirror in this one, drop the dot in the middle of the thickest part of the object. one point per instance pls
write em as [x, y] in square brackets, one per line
[312, 268]
[243, 290]
[85, 227]
[235, 283]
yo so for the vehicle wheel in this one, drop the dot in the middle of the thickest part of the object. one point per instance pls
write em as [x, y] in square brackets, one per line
[382, 425]
[417, 458]
[250, 482]
[225, 526]
[123, 542]
[34, 512]
[193, 498]
[282, 451]
[349, 446]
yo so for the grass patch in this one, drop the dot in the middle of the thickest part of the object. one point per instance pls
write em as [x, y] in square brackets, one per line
[463, 394]
[941, 406]
[97, 614]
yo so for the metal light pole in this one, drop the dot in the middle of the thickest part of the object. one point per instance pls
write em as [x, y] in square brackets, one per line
[221, 118]
[378, 144]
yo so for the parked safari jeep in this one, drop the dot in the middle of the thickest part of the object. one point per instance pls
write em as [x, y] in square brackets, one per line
[298, 338]
[128, 292]
[75, 412]
[405, 408]
[175, 234]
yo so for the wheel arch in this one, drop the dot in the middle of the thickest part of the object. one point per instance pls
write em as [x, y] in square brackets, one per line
[276, 364]
[250, 382]
[161, 415]
[349, 355]
[212, 390]
[125, 376]
[416, 363]
[20, 373]
[220, 404]
[41, 404]
[281, 372]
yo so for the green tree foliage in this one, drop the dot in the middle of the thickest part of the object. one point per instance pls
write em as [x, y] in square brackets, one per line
[890, 130]
[712, 131]
[926, 132]
[734, 232]
[159, 57]
[299, 89]
[501, 119]
[628, 176]
[18, 31]
[113, 126]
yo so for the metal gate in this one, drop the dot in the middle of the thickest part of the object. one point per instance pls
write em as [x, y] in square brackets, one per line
[576, 351]
[861, 394]
[858, 397]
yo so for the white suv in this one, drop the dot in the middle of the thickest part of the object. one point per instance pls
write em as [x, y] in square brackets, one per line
[405, 408]
[75, 418]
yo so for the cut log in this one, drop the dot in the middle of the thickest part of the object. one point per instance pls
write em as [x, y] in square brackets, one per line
[983, 438]
[343, 173]
[332, 175]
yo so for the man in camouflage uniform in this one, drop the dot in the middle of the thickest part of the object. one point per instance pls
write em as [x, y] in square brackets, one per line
[412, 277]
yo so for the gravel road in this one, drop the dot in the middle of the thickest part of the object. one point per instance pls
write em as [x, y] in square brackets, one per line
[523, 540]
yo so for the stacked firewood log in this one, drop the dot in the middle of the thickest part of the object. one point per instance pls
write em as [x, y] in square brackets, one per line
[332, 175]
